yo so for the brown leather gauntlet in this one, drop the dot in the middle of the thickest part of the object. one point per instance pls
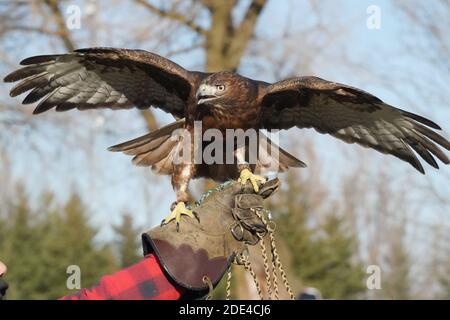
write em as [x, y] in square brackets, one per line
[201, 252]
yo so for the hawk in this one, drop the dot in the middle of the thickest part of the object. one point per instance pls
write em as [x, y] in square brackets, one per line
[120, 78]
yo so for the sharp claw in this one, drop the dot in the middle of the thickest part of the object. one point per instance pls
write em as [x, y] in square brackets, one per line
[196, 216]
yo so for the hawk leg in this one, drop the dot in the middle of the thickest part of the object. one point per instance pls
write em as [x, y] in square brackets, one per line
[180, 181]
[244, 168]
[245, 173]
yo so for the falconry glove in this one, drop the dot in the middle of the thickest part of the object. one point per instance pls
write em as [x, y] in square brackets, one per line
[199, 254]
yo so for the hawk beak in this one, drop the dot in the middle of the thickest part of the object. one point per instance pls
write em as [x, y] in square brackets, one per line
[205, 93]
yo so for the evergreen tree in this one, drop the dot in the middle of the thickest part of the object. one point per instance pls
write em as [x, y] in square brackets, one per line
[444, 282]
[396, 280]
[127, 243]
[19, 247]
[38, 246]
[322, 254]
[322, 257]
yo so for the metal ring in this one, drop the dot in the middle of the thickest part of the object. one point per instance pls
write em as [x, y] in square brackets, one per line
[233, 232]
[208, 282]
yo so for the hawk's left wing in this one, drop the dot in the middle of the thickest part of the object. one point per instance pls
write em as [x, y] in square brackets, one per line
[351, 115]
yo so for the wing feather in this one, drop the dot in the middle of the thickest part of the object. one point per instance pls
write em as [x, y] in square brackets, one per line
[156, 149]
[104, 78]
[353, 116]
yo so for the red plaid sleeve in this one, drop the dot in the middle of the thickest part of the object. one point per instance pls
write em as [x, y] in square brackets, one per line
[144, 280]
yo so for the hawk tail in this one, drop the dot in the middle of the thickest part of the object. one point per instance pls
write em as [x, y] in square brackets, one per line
[157, 150]
[272, 158]
[153, 149]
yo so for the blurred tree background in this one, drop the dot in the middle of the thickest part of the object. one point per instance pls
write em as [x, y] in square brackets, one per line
[64, 200]
[41, 243]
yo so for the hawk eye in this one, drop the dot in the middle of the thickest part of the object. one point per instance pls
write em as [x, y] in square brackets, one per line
[220, 87]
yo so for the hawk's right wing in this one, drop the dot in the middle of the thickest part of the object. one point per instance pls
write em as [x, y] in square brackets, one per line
[105, 78]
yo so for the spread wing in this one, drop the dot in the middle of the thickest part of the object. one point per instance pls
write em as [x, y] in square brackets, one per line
[104, 78]
[354, 116]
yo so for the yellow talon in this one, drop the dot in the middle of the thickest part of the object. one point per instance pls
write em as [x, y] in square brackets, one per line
[179, 210]
[246, 175]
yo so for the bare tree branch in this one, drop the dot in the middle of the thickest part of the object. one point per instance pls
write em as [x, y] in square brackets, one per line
[40, 30]
[63, 31]
[243, 33]
[184, 20]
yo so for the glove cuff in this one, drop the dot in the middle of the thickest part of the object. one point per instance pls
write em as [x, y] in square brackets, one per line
[184, 265]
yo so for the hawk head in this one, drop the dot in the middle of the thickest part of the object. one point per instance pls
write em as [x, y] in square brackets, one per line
[224, 90]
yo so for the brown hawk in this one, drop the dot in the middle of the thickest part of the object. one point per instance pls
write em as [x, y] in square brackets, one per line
[121, 78]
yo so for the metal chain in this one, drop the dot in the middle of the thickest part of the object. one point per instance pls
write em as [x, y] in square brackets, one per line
[276, 262]
[283, 274]
[274, 266]
[248, 267]
[228, 288]
[220, 187]
[266, 266]
[208, 282]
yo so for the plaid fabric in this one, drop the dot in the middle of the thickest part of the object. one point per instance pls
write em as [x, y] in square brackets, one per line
[144, 280]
